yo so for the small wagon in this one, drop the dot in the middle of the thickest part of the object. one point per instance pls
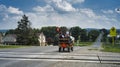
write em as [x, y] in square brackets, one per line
[65, 43]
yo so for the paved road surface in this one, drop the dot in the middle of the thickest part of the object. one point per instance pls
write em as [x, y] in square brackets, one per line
[50, 57]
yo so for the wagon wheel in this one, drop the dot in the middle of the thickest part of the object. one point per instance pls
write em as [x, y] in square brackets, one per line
[68, 49]
[59, 49]
[71, 48]
[63, 49]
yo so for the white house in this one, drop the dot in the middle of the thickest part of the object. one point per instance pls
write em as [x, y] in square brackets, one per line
[42, 39]
[9, 39]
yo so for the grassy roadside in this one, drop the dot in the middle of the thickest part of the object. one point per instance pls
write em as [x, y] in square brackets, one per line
[11, 46]
[84, 44]
[111, 48]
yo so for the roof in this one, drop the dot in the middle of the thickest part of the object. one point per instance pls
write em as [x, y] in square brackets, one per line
[12, 35]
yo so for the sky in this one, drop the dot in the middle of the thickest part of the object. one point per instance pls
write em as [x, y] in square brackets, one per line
[83, 13]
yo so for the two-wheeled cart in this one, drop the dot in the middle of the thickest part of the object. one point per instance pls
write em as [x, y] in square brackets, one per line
[65, 43]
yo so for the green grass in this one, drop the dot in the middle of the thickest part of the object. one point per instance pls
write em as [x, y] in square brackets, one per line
[84, 44]
[11, 46]
[111, 48]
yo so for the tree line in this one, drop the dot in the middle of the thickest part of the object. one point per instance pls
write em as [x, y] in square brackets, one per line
[28, 36]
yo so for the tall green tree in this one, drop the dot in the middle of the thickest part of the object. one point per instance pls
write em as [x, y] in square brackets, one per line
[25, 34]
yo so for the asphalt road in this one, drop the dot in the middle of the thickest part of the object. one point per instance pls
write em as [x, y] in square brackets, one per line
[48, 56]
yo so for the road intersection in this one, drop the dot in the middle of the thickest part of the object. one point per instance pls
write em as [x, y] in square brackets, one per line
[49, 55]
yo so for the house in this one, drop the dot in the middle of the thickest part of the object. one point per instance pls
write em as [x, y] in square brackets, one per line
[0, 38]
[12, 38]
[42, 39]
[9, 39]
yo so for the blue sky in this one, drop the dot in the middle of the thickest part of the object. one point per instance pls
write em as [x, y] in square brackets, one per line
[83, 13]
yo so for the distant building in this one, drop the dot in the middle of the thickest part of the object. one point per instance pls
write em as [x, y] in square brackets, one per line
[42, 39]
[9, 39]
[12, 38]
[0, 38]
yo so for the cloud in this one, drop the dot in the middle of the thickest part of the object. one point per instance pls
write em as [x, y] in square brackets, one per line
[9, 17]
[9, 22]
[108, 11]
[87, 12]
[76, 1]
[61, 5]
[42, 9]
[64, 5]
[10, 10]
[14, 10]
[85, 18]
[49, 15]
[2, 8]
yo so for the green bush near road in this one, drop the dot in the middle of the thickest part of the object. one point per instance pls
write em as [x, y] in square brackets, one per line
[111, 48]
[84, 44]
[11, 46]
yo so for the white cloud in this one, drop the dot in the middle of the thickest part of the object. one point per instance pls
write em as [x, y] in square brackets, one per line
[107, 11]
[5, 17]
[9, 17]
[75, 1]
[42, 9]
[62, 5]
[88, 12]
[85, 18]
[14, 10]
[2, 7]
[10, 22]
[10, 10]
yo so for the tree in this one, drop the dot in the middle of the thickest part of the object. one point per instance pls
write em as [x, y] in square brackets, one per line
[50, 33]
[83, 35]
[93, 34]
[25, 34]
[63, 29]
[11, 31]
[75, 32]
